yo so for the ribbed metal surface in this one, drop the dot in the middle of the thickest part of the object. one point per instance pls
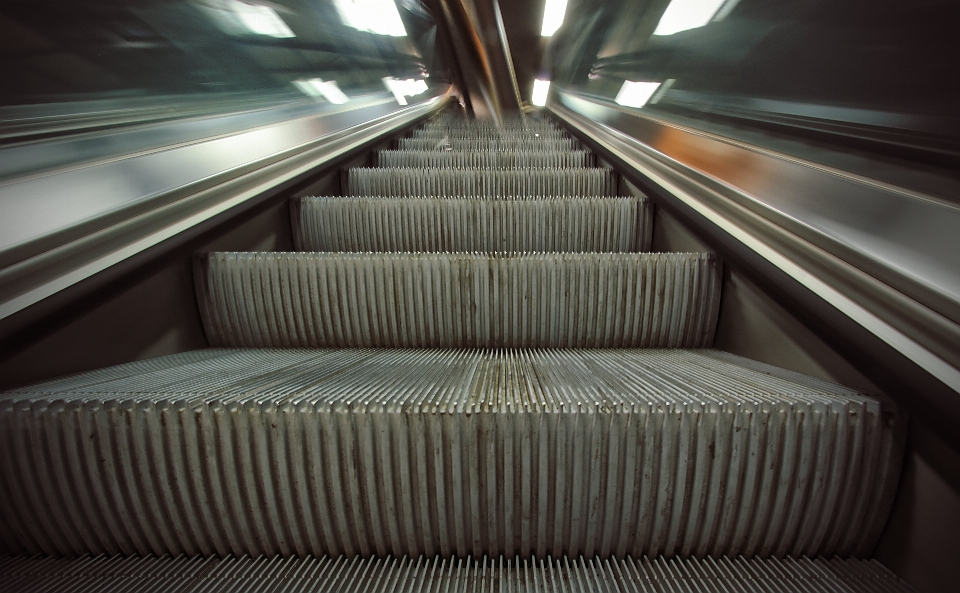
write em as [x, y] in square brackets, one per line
[490, 159]
[422, 575]
[481, 182]
[459, 300]
[490, 134]
[577, 225]
[512, 143]
[449, 452]
[513, 124]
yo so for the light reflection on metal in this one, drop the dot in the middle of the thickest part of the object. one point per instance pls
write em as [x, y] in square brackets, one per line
[540, 90]
[70, 217]
[317, 87]
[374, 16]
[682, 15]
[636, 93]
[239, 18]
[553, 12]
[402, 89]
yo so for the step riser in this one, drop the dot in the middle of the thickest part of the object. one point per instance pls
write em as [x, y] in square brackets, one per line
[491, 160]
[353, 452]
[489, 144]
[423, 575]
[430, 225]
[487, 135]
[459, 300]
[405, 182]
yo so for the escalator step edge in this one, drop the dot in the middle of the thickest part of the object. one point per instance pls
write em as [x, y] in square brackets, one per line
[405, 575]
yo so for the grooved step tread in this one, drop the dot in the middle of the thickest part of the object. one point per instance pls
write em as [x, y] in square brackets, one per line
[464, 159]
[410, 300]
[480, 182]
[428, 225]
[446, 452]
[509, 143]
[421, 575]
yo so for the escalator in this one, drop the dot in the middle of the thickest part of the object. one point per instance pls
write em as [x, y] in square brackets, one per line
[473, 374]
[418, 295]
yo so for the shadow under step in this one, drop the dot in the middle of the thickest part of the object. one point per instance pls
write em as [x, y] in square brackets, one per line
[446, 452]
[482, 225]
[416, 300]
[422, 575]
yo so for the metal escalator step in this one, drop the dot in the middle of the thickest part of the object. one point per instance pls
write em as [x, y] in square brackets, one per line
[375, 224]
[483, 123]
[540, 132]
[493, 159]
[446, 452]
[480, 182]
[448, 300]
[422, 575]
[488, 144]
[489, 123]
[491, 134]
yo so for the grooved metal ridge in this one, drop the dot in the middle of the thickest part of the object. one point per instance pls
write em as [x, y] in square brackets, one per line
[378, 224]
[510, 143]
[424, 300]
[438, 131]
[436, 575]
[451, 452]
[504, 124]
[491, 159]
[522, 123]
[490, 134]
[481, 182]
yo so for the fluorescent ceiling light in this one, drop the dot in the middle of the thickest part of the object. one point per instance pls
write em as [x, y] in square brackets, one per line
[552, 16]
[375, 16]
[636, 94]
[540, 90]
[687, 14]
[317, 87]
[239, 18]
[402, 89]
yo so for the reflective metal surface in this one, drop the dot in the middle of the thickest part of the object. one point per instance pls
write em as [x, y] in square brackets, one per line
[872, 75]
[900, 236]
[63, 226]
[38, 207]
[883, 257]
[35, 157]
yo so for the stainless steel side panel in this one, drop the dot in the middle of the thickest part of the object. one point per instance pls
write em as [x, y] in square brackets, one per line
[885, 259]
[905, 238]
[59, 228]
